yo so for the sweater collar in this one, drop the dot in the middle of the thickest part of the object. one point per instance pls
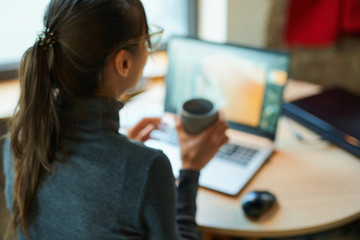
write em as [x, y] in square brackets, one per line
[89, 114]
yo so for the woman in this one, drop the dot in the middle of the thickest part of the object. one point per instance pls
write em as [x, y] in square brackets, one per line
[69, 173]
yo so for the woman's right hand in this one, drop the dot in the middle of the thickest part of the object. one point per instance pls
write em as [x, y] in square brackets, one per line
[198, 150]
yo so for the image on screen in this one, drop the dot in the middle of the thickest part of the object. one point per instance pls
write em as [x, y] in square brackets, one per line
[245, 83]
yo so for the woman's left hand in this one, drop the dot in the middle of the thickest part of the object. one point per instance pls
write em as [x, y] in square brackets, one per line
[142, 130]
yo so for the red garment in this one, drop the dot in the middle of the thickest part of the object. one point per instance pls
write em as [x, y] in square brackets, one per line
[321, 22]
[351, 16]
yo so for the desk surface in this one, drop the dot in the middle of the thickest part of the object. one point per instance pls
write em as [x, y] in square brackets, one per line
[316, 186]
[9, 96]
[315, 182]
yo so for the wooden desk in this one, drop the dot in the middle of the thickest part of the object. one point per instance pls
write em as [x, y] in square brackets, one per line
[316, 183]
[316, 187]
[9, 96]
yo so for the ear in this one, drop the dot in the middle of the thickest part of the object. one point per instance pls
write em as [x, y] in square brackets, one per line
[123, 63]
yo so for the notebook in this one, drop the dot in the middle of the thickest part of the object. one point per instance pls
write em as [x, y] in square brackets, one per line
[334, 114]
[247, 84]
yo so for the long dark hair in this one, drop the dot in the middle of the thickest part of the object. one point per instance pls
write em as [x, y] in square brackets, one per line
[86, 33]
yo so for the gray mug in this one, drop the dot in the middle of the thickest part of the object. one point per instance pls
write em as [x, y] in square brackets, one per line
[197, 114]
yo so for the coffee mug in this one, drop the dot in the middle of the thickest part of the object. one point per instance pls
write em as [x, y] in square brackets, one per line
[197, 114]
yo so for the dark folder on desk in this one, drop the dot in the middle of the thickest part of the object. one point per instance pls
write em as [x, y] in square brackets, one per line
[334, 114]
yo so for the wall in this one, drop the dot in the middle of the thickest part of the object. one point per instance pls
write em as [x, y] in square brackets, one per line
[236, 21]
[212, 20]
[247, 21]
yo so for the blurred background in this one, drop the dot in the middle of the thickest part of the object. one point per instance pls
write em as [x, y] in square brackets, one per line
[322, 35]
[324, 48]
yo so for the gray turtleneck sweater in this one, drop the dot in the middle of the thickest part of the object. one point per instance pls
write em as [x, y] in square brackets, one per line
[105, 186]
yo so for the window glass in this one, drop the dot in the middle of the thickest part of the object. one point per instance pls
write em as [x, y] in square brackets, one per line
[172, 15]
[21, 20]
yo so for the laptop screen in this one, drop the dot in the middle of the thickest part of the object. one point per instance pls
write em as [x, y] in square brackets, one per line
[246, 83]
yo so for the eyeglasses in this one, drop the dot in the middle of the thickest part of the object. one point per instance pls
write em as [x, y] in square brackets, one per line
[153, 39]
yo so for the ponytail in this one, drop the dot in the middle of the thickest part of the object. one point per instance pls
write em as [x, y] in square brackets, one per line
[34, 130]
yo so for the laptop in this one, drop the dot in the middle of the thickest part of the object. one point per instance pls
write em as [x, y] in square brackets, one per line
[247, 84]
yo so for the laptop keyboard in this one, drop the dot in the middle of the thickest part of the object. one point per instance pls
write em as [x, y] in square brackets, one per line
[236, 153]
[229, 152]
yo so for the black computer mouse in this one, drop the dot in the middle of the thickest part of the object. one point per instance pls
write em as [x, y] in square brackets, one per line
[255, 203]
